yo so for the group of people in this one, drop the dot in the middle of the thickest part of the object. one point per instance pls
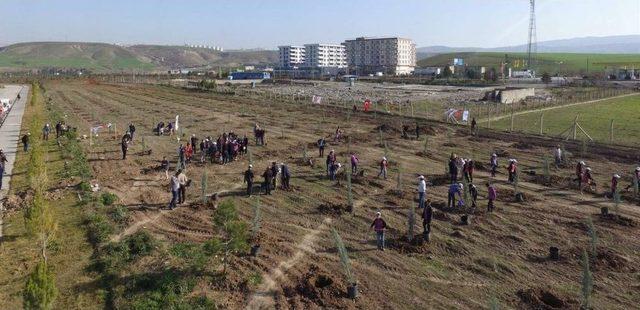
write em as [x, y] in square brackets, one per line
[464, 168]
[270, 176]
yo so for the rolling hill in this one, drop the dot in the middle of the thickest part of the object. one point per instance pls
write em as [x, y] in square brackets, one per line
[103, 57]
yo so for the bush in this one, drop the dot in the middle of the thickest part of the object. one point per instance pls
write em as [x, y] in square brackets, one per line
[84, 187]
[108, 199]
[140, 244]
[98, 228]
[120, 215]
[40, 290]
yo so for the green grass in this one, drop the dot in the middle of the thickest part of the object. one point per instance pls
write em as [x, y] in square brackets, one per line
[561, 63]
[595, 118]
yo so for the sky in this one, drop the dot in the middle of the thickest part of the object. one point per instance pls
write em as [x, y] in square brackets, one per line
[236, 24]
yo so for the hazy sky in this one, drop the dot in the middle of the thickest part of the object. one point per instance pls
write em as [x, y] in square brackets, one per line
[268, 23]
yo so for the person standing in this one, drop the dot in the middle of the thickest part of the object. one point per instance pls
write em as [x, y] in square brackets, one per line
[468, 170]
[132, 130]
[25, 141]
[182, 179]
[3, 160]
[331, 159]
[248, 178]
[422, 191]
[474, 195]
[58, 129]
[579, 172]
[274, 174]
[164, 165]
[46, 131]
[474, 125]
[379, 226]
[175, 190]
[383, 168]
[267, 175]
[558, 156]
[354, 163]
[494, 165]
[513, 170]
[125, 147]
[194, 143]
[453, 168]
[614, 184]
[285, 176]
[491, 196]
[454, 188]
[321, 144]
[427, 214]
[417, 131]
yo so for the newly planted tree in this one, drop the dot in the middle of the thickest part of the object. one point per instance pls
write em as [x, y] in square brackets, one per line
[40, 290]
[411, 222]
[234, 230]
[344, 258]
[545, 167]
[593, 237]
[587, 281]
[203, 186]
[349, 193]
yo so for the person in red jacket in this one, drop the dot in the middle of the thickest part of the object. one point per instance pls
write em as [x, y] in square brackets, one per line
[614, 184]
[379, 225]
[513, 170]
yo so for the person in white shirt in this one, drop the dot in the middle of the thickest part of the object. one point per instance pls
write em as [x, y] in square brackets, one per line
[558, 156]
[422, 191]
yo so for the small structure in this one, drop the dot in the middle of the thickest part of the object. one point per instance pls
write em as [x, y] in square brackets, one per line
[249, 76]
[509, 95]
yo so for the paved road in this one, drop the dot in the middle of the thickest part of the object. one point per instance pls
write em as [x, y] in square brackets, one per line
[10, 135]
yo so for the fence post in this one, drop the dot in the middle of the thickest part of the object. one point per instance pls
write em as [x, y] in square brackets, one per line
[575, 126]
[541, 120]
[611, 132]
[511, 129]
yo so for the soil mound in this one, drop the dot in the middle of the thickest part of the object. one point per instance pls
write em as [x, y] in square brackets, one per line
[316, 288]
[333, 209]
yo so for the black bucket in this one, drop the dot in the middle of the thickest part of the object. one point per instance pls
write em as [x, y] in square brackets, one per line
[520, 197]
[352, 290]
[604, 211]
[464, 220]
[255, 250]
[554, 253]
[425, 236]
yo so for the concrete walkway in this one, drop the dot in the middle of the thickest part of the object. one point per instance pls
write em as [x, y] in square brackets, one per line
[10, 136]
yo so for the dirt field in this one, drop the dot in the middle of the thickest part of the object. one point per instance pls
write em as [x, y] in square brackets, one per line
[501, 255]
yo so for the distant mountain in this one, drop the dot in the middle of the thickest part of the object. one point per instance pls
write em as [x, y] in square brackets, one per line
[109, 57]
[628, 44]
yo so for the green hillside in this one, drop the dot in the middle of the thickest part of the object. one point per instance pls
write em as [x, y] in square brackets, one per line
[108, 57]
[93, 56]
[560, 63]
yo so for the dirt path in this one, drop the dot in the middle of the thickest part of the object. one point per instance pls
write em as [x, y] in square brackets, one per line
[496, 118]
[264, 297]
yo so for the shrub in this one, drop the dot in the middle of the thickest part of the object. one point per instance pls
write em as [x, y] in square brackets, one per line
[120, 215]
[108, 198]
[40, 290]
[593, 237]
[98, 228]
[84, 187]
[140, 244]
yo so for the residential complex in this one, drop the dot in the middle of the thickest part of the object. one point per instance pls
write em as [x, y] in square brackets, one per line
[291, 56]
[394, 56]
[325, 56]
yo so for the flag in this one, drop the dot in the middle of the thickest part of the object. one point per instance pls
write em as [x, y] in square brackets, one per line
[177, 118]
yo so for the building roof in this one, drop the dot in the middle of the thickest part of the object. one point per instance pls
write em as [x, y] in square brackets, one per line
[378, 38]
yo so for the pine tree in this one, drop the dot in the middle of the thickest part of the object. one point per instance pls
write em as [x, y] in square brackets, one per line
[547, 175]
[344, 257]
[349, 193]
[257, 218]
[40, 290]
[426, 145]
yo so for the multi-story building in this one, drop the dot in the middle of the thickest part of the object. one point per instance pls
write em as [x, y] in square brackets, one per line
[395, 56]
[291, 56]
[325, 56]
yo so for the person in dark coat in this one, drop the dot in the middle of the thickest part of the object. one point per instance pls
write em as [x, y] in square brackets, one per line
[321, 145]
[194, 142]
[267, 175]
[132, 130]
[285, 176]
[274, 174]
[248, 178]
[3, 160]
[417, 131]
[453, 169]
[125, 147]
[379, 225]
[25, 141]
[427, 214]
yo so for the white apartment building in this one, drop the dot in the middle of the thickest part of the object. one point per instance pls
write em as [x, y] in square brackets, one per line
[325, 56]
[394, 56]
[291, 56]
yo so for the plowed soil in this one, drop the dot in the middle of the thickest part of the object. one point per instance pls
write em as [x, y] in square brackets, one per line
[500, 254]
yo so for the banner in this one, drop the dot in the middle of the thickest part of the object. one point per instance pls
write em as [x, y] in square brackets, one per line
[177, 119]
[316, 99]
